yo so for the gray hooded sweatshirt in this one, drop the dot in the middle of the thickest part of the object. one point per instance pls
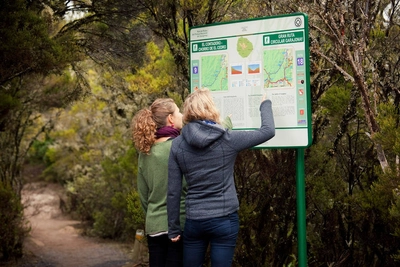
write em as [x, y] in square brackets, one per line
[205, 155]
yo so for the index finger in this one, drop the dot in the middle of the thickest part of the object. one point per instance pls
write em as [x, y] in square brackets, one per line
[264, 97]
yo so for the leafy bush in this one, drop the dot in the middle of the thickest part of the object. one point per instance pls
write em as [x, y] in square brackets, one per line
[13, 227]
[99, 196]
[135, 214]
[38, 150]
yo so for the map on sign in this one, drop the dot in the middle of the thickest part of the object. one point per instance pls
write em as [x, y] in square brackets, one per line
[244, 47]
[278, 68]
[215, 72]
[241, 61]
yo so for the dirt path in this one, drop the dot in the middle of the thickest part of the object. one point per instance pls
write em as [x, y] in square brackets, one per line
[55, 240]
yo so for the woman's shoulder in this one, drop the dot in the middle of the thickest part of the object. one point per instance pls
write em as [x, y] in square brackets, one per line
[175, 142]
[161, 146]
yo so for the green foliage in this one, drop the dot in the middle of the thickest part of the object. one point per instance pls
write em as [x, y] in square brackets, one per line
[394, 213]
[26, 40]
[32, 80]
[118, 175]
[389, 136]
[107, 223]
[7, 103]
[135, 214]
[97, 162]
[335, 99]
[39, 150]
[352, 207]
[266, 189]
[157, 75]
[13, 227]
[102, 199]
[348, 195]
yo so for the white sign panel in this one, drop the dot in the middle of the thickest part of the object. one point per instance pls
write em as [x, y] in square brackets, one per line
[243, 60]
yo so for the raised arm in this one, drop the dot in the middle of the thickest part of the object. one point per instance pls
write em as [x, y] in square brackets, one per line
[246, 139]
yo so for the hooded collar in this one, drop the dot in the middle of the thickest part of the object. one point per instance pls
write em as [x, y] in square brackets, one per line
[201, 134]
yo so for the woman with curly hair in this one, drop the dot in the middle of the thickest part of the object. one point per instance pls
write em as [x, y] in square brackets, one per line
[153, 130]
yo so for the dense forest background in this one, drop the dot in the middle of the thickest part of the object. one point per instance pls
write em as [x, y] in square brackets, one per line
[73, 74]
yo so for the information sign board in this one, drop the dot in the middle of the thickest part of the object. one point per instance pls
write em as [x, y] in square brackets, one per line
[241, 61]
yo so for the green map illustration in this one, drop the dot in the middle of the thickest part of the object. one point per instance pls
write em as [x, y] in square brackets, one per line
[244, 47]
[278, 68]
[214, 72]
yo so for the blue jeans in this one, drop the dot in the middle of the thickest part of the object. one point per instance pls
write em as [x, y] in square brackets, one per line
[220, 233]
[163, 252]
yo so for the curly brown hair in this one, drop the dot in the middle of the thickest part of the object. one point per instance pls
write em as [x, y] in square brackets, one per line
[146, 122]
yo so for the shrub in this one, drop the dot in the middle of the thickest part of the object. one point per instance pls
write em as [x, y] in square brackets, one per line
[13, 227]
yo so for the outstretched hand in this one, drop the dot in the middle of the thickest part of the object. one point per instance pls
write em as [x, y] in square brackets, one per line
[264, 97]
[176, 239]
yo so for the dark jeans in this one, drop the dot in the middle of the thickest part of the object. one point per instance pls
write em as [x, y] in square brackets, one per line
[221, 233]
[163, 252]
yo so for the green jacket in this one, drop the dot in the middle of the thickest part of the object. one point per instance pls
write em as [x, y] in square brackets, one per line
[153, 185]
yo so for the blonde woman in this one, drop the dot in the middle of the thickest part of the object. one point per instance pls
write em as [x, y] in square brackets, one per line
[205, 154]
[153, 130]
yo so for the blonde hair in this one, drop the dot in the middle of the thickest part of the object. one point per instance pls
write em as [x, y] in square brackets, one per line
[200, 105]
[146, 122]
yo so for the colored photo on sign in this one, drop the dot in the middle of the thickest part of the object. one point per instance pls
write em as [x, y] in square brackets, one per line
[253, 68]
[236, 69]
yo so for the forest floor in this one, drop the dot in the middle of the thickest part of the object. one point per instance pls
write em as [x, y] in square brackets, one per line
[55, 239]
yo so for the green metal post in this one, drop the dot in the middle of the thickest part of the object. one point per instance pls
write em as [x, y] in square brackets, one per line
[301, 208]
